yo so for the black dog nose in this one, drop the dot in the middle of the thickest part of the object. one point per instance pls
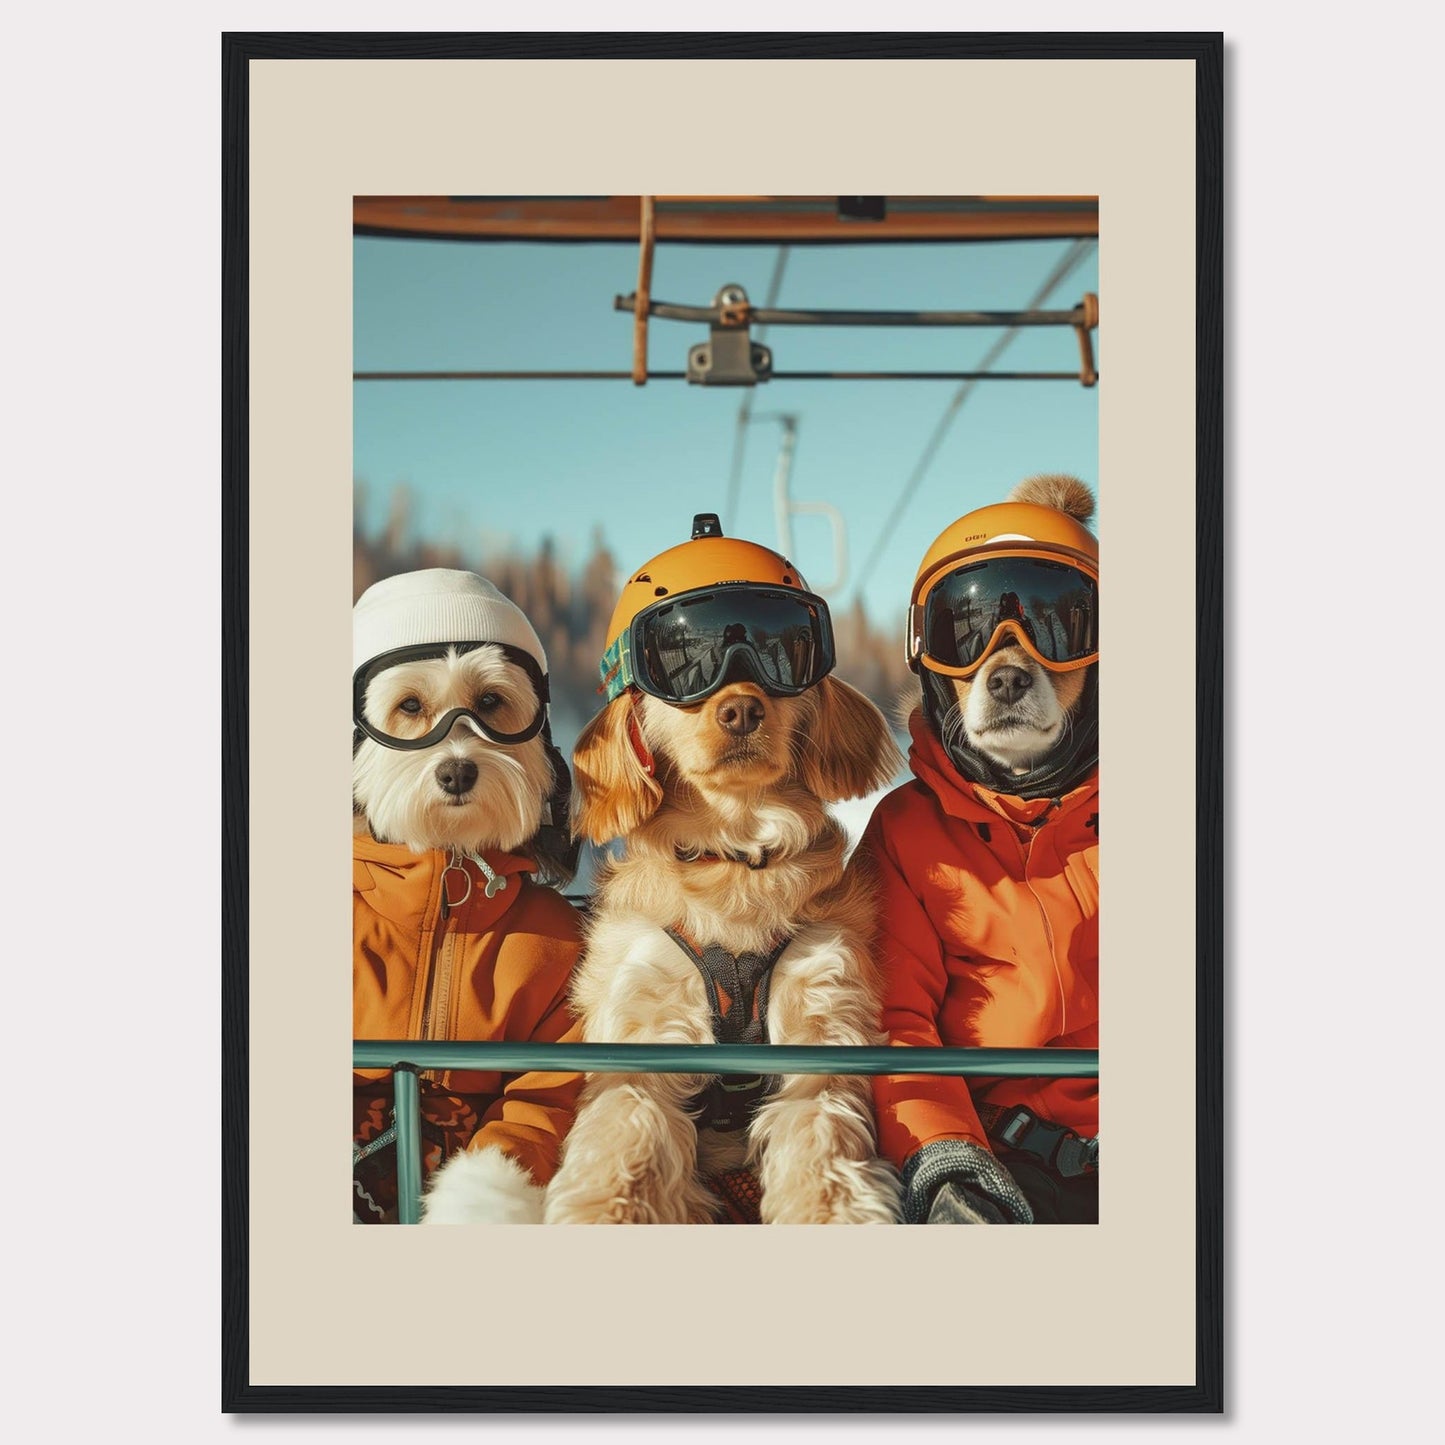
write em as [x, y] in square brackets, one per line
[456, 776]
[1008, 684]
[740, 714]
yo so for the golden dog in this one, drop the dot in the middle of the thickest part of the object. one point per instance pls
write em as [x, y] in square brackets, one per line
[727, 837]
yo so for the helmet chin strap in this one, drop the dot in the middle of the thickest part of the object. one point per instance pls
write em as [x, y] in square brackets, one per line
[555, 834]
[1064, 768]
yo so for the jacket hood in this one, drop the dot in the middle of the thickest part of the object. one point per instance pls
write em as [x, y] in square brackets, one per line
[1066, 766]
[963, 798]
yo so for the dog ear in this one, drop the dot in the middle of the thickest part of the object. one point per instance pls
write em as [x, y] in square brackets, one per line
[614, 793]
[849, 750]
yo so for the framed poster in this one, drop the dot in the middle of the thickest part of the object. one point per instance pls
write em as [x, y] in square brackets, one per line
[1123, 1315]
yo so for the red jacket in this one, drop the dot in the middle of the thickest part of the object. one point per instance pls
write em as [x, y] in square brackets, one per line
[988, 936]
[492, 968]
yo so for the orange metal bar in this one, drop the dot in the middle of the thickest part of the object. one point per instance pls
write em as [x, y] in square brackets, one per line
[1087, 375]
[648, 230]
[774, 219]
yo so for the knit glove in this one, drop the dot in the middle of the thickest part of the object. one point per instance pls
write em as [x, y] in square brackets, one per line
[958, 1204]
[952, 1181]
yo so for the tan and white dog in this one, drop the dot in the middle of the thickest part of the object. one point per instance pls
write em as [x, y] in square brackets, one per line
[1014, 710]
[987, 864]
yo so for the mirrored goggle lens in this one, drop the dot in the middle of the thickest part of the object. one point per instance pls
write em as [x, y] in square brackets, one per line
[1055, 605]
[401, 703]
[683, 650]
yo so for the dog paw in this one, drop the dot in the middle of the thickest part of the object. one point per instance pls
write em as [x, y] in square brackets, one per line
[570, 1209]
[848, 1192]
[482, 1186]
[634, 1201]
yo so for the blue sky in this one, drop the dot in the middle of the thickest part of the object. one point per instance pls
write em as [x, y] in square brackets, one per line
[491, 463]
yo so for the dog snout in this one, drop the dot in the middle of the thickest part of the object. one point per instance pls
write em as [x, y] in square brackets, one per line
[740, 713]
[456, 776]
[1008, 684]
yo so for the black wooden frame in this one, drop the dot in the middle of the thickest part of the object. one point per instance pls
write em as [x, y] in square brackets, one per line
[1206, 1393]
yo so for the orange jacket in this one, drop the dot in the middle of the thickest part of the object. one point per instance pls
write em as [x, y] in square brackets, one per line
[988, 937]
[491, 968]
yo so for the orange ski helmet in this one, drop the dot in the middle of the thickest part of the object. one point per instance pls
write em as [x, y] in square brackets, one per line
[1012, 572]
[694, 612]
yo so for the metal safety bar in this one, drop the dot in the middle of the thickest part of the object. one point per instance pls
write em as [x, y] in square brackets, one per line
[771, 316]
[406, 1056]
[733, 357]
[722, 1058]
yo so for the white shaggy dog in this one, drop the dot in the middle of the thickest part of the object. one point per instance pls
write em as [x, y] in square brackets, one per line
[465, 792]
[454, 778]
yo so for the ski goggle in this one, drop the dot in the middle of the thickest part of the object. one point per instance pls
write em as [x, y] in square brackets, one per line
[1049, 607]
[684, 648]
[506, 713]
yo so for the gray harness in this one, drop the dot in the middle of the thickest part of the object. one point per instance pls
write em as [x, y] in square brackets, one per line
[737, 995]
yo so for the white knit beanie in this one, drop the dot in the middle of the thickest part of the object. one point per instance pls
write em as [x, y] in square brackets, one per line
[437, 606]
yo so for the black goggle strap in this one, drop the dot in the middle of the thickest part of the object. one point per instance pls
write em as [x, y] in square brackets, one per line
[556, 805]
[426, 650]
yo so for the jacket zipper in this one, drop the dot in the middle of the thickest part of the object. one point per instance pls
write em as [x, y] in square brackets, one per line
[1026, 850]
[438, 982]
